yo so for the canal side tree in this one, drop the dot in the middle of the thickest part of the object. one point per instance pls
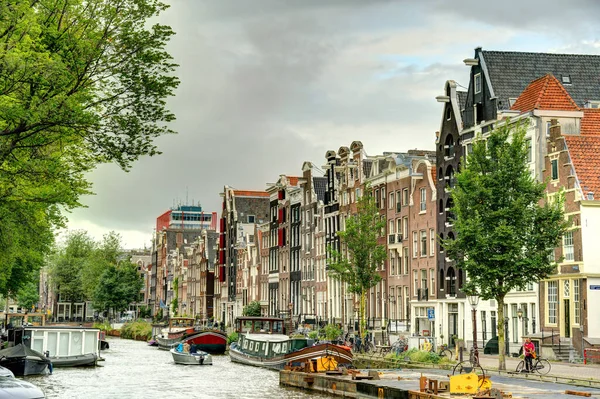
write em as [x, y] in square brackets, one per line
[119, 286]
[252, 309]
[358, 266]
[82, 82]
[506, 228]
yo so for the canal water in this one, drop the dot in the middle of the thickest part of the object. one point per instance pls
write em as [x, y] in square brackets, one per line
[132, 369]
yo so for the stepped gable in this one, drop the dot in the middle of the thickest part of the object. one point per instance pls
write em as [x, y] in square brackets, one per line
[545, 93]
[511, 72]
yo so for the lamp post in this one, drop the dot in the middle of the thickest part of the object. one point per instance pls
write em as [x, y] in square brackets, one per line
[474, 301]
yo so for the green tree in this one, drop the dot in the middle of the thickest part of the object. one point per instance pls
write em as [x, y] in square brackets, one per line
[252, 309]
[28, 296]
[505, 236]
[102, 256]
[359, 270]
[81, 83]
[68, 265]
[119, 286]
[175, 301]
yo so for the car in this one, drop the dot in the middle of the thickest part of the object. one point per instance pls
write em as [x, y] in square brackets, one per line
[11, 387]
[4, 372]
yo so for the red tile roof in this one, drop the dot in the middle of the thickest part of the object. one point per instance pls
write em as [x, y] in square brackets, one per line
[545, 93]
[247, 193]
[590, 124]
[585, 155]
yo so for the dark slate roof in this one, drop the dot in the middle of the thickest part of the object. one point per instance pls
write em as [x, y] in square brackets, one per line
[462, 99]
[320, 186]
[511, 72]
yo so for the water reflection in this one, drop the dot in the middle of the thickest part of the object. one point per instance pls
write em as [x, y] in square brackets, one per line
[134, 370]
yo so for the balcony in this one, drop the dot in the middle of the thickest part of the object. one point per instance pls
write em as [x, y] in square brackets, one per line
[400, 237]
[391, 238]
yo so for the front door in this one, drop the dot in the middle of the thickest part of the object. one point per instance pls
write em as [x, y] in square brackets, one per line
[567, 314]
[452, 323]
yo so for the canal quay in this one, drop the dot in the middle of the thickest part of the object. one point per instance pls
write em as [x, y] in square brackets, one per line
[132, 369]
[566, 381]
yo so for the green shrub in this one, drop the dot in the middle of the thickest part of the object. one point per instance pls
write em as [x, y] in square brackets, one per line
[232, 337]
[419, 356]
[139, 329]
[104, 326]
[332, 332]
[313, 334]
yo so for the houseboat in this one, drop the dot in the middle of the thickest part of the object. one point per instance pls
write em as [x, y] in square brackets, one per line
[263, 343]
[178, 328]
[63, 346]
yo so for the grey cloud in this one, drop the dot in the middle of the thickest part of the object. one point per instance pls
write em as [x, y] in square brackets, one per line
[268, 84]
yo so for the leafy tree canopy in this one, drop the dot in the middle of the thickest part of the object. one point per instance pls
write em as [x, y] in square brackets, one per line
[252, 309]
[119, 286]
[505, 238]
[505, 231]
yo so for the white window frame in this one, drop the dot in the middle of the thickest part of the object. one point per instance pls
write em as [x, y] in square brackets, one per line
[423, 199]
[415, 244]
[552, 296]
[431, 242]
[477, 83]
[569, 247]
[423, 242]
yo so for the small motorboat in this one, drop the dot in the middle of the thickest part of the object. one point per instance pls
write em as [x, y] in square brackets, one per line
[191, 358]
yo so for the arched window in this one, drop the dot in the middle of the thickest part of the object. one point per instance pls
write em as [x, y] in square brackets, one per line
[451, 282]
[449, 176]
[449, 147]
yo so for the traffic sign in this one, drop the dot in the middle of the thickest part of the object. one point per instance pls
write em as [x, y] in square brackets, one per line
[431, 314]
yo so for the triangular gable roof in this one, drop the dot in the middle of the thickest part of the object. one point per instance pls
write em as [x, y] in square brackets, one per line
[590, 124]
[585, 156]
[510, 73]
[545, 93]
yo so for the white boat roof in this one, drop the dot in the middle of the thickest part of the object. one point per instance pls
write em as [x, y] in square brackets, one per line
[267, 337]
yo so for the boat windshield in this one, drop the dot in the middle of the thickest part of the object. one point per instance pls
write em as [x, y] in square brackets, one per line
[258, 326]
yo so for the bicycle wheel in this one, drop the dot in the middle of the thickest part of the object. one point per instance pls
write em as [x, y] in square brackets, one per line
[446, 353]
[466, 367]
[520, 366]
[542, 366]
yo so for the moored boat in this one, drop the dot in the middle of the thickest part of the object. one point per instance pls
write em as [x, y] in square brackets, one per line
[23, 361]
[178, 328]
[191, 358]
[63, 346]
[262, 343]
[11, 387]
[208, 340]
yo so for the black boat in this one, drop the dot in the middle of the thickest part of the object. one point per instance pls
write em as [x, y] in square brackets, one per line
[24, 361]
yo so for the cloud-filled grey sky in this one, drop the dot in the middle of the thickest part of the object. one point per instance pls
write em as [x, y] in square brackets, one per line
[269, 84]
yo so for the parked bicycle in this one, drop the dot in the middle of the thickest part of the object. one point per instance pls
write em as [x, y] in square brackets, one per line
[541, 366]
[401, 345]
[443, 351]
[470, 366]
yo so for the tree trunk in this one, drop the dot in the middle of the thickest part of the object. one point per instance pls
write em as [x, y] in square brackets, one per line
[501, 334]
[363, 323]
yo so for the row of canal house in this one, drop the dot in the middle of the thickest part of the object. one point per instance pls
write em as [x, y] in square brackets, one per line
[558, 96]
[272, 243]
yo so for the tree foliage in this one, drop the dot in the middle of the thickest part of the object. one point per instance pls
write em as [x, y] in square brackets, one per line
[81, 83]
[358, 269]
[506, 232]
[119, 285]
[69, 264]
[252, 309]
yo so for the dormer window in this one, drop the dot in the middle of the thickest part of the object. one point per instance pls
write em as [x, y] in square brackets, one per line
[478, 83]
[511, 102]
[566, 79]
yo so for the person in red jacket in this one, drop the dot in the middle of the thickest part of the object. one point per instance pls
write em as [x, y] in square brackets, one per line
[529, 352]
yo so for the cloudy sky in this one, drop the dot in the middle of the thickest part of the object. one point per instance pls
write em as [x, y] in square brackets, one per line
[269, 84]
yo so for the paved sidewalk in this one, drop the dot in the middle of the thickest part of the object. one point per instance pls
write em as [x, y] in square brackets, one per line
[559, 369]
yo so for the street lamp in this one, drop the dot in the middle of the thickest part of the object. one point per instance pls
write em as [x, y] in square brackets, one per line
[474, 301]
